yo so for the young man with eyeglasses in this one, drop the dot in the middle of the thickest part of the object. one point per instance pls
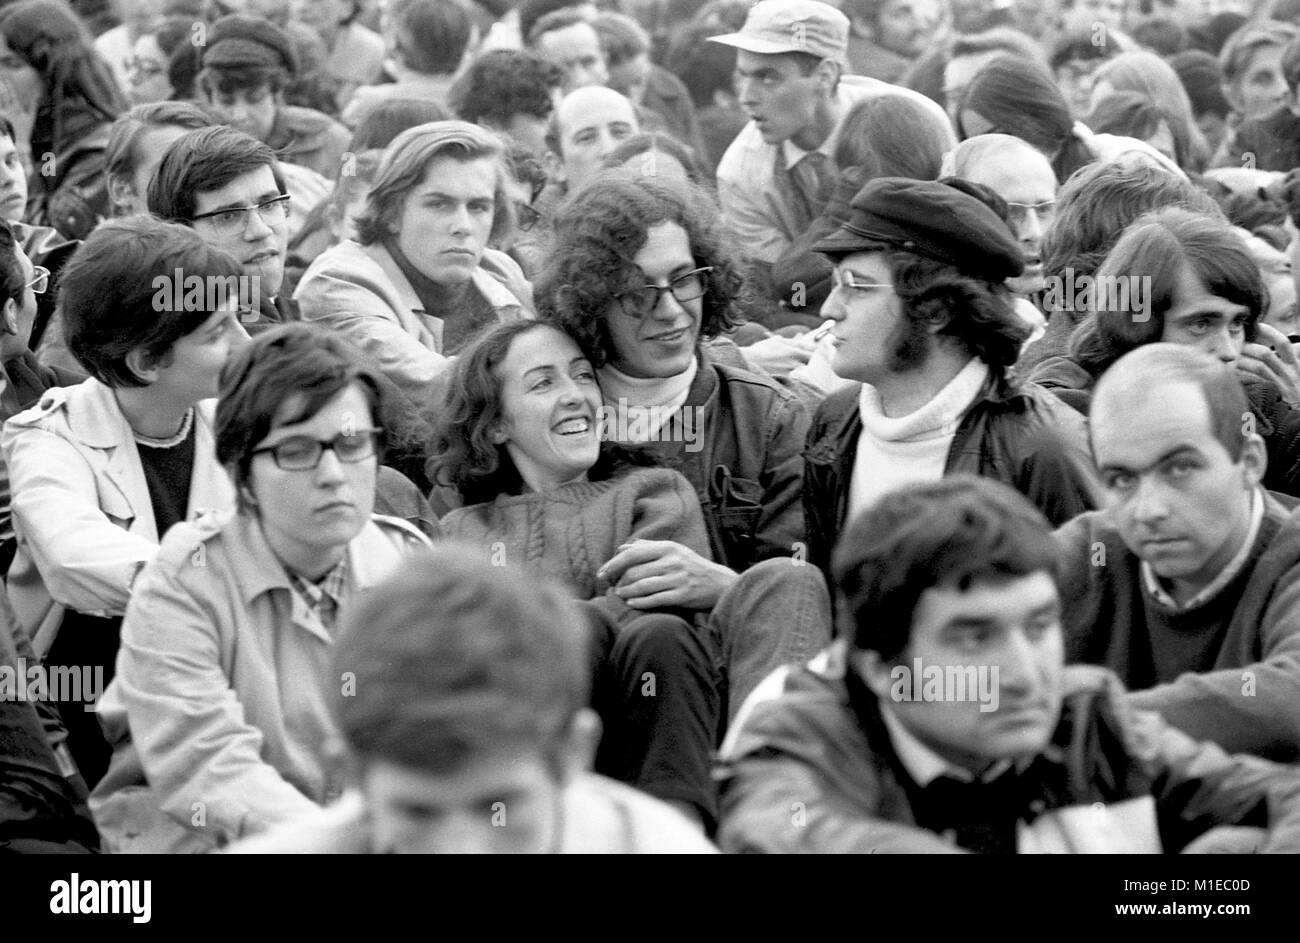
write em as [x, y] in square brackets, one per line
[236, 614]
[228, 188]
[925, 324]
[642, 275]
[100, 471]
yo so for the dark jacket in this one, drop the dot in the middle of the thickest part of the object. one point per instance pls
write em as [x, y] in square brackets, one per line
[814, 770]
[667, 96]
[1273, 140]
[801, 278]
[1276, 422]
[744, 462]
[1017, 433]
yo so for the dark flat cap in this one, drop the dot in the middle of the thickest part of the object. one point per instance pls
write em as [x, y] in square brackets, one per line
[238, 40]
[930, 219]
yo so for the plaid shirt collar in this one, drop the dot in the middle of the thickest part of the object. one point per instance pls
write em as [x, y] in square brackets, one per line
[331, 586]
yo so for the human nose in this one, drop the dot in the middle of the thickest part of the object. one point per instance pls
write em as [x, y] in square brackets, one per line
[833, 308]
[460, 221]
[746, 90]
[255, 227]
[1222, 344]
[1031, 227]
[1019, 666]
[1149, 503]
[329, 470]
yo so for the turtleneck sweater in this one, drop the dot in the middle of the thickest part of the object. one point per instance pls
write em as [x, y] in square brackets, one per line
[644, 404]
[896, 451]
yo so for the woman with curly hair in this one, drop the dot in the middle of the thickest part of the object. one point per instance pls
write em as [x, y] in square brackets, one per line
[641, 275]
[519, 436]
[59, 89]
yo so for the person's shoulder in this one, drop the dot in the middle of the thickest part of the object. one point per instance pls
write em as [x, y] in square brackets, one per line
[342, 828]
[608, 817]
[743, 378]
[346, 256]
[196, 544]
[58, 403]
[396, 532]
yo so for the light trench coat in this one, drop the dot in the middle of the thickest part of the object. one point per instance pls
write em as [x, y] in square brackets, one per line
[220, 715]
[81, 507]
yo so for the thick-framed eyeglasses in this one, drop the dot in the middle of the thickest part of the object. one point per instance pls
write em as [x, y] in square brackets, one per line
[639, 302]
[40, 279]
[303, 453]
[234, 219]
[847, 280]
[525, 216]
[1019, 212]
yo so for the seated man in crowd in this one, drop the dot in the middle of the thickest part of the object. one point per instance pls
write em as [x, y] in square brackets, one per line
[776, 176]
[470, 728]
[420, 280]
[228, 187]
[925, 323]
[1188, 586]
[245, 66]
[101, 470]
[943, 719]
[512, 92]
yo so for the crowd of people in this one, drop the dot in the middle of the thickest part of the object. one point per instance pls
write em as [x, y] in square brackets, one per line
[650, 426]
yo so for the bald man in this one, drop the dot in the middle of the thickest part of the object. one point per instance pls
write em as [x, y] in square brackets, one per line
[1020, 174]
[588, 124]
[1188, 584]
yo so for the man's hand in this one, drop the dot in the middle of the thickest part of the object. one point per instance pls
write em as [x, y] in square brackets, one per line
[660, 574]
[1271, 357]
[777, 355]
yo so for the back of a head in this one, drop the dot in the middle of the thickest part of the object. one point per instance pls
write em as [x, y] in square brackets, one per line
[454, 659]
[892, 136]
[951, 533]
[1163, 35]
[502, 83]
[974, 156]
[120, 157]
[1202, 80]
[1099, 201]
[390, 118]
[621, 37]
[1020, 97]
[1012, 41]
[432, 35]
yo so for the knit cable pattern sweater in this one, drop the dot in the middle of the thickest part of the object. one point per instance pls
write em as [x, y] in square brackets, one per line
[569, 532]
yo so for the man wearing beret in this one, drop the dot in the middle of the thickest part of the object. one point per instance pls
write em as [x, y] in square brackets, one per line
[925, 324]
[246, 64]
[775, 178]
[943, 718]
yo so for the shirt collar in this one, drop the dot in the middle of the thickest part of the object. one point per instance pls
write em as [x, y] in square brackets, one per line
[1226, 575]
[922, 763]
[793, 153]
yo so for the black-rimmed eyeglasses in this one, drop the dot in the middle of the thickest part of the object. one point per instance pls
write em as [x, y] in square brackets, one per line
[640, 302]
[303, 453]
[234, 219]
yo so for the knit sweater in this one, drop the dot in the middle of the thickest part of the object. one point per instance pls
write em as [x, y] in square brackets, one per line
[1236, 680]
[569, 532]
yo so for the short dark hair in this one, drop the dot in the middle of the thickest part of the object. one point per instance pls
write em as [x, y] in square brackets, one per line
[503, 83]
[383, 123]
[1159, 247]
[703, 67]
[599, 230]
[226, 80]
[951, 533]
[530, 11]
[622, 37]
[1099, 201]
[108, 292]
[557, 20]
[13, 281]
[1203, 81]
[297, 359]
[1158, 363]
[455, 659]
[432, 34]
[204, 160]
[1079, 46]
[122, 156]
[1162, 34]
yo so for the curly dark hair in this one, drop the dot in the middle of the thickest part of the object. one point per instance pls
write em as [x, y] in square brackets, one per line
[462, 455]
[600, 230]
[503, 83]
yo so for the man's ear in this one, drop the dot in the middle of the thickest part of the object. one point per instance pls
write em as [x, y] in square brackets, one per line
[142, 365]
[1254, 460]
[826, 73]
[580, 742]
[554, 164]
[10, 316]
[120, 192]
[873, 670]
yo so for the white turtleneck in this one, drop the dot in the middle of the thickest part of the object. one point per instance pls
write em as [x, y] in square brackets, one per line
[644, 404]
[912, 448]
